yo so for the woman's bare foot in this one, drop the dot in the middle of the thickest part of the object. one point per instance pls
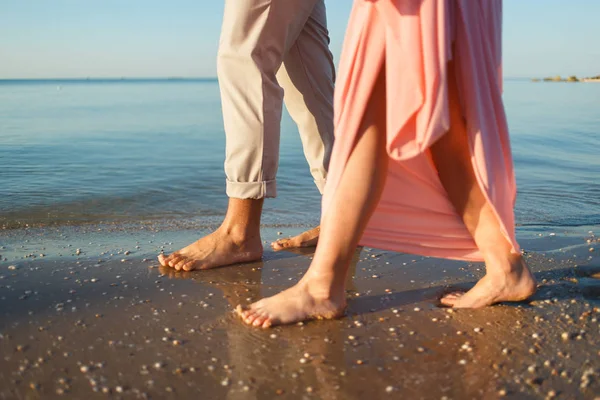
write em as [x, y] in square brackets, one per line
[496, 286]
[218, 249]
[309, 299]
[305, 239]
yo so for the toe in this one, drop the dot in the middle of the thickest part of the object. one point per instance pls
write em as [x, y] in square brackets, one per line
[280, 244]
[188, 266]
[267, 323]
[260, 320]
[249, 317]
[451, 298]
[173, 260]
[162, 260]
[180, 264]
[454, 295]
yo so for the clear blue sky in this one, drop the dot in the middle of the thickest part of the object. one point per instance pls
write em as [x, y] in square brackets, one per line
[157, 38]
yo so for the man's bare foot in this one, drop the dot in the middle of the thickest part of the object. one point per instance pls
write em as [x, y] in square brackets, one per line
[301, 302]
[305, 239]
[516, 285]
[218, 249]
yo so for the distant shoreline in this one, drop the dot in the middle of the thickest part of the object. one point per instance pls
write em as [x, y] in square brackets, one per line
[571, 78]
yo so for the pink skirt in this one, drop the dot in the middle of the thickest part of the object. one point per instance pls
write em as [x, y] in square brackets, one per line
[416, 39]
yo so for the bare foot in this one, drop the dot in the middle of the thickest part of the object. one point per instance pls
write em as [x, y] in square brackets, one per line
[516, 285]
[218, 249]
[305, 239]
[299, 303]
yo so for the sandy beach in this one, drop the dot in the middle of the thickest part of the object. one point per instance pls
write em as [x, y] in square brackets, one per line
[86, 312]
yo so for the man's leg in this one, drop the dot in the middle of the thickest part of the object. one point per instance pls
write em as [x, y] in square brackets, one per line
[255, 36]
[307, 76]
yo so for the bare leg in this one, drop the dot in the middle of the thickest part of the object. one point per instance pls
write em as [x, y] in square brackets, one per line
[507, 276]
[321, 291]
[237, 240]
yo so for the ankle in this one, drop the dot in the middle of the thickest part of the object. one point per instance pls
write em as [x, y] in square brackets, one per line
[323, 286]
[503, 263]
[239, 233]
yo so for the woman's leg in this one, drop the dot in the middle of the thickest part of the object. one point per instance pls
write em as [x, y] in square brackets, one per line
[321, 291]
[507, 276]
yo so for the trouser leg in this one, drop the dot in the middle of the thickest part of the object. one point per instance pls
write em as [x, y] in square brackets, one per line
[255, 36]
[307, 76]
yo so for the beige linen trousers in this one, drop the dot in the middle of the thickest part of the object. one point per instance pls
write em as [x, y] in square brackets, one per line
[272, 51]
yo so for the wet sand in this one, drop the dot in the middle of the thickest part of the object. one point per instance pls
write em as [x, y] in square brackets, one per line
[96, 317]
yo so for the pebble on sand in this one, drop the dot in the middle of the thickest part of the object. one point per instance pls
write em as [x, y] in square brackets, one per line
[532, 368]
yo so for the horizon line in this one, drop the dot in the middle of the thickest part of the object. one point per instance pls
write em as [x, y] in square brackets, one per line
[120, 78]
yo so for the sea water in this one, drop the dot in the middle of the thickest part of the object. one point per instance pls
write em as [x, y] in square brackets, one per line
[121, 151]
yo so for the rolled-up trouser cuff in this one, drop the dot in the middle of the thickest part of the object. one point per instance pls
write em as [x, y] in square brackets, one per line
[252, 190]
[320, 185]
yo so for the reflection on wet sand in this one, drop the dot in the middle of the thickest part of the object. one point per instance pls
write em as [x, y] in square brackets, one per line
[269, 359]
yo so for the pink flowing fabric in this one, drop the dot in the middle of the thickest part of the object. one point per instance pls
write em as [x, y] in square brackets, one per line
[416, 39]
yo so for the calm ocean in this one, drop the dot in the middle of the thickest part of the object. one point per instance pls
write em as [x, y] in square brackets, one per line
[75, 152]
